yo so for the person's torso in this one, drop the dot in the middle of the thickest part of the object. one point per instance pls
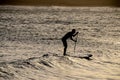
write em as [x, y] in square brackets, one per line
[67, 36]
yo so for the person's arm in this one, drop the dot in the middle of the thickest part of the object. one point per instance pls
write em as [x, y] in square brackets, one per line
[72, 39]
[75, 34]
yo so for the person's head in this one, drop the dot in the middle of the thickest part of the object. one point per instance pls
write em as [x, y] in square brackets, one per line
[73, 30]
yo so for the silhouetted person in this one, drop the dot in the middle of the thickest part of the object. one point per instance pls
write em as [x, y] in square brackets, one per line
[69, 35]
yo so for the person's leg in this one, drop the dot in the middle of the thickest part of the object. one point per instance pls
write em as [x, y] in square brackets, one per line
[65, 47]
[64, 51]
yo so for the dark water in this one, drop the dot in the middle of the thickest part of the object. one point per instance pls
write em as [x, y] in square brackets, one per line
[62, 2]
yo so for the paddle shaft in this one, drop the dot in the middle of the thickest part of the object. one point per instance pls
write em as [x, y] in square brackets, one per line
[75, 44]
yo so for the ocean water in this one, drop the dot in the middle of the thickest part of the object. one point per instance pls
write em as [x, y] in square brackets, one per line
[31, 47]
